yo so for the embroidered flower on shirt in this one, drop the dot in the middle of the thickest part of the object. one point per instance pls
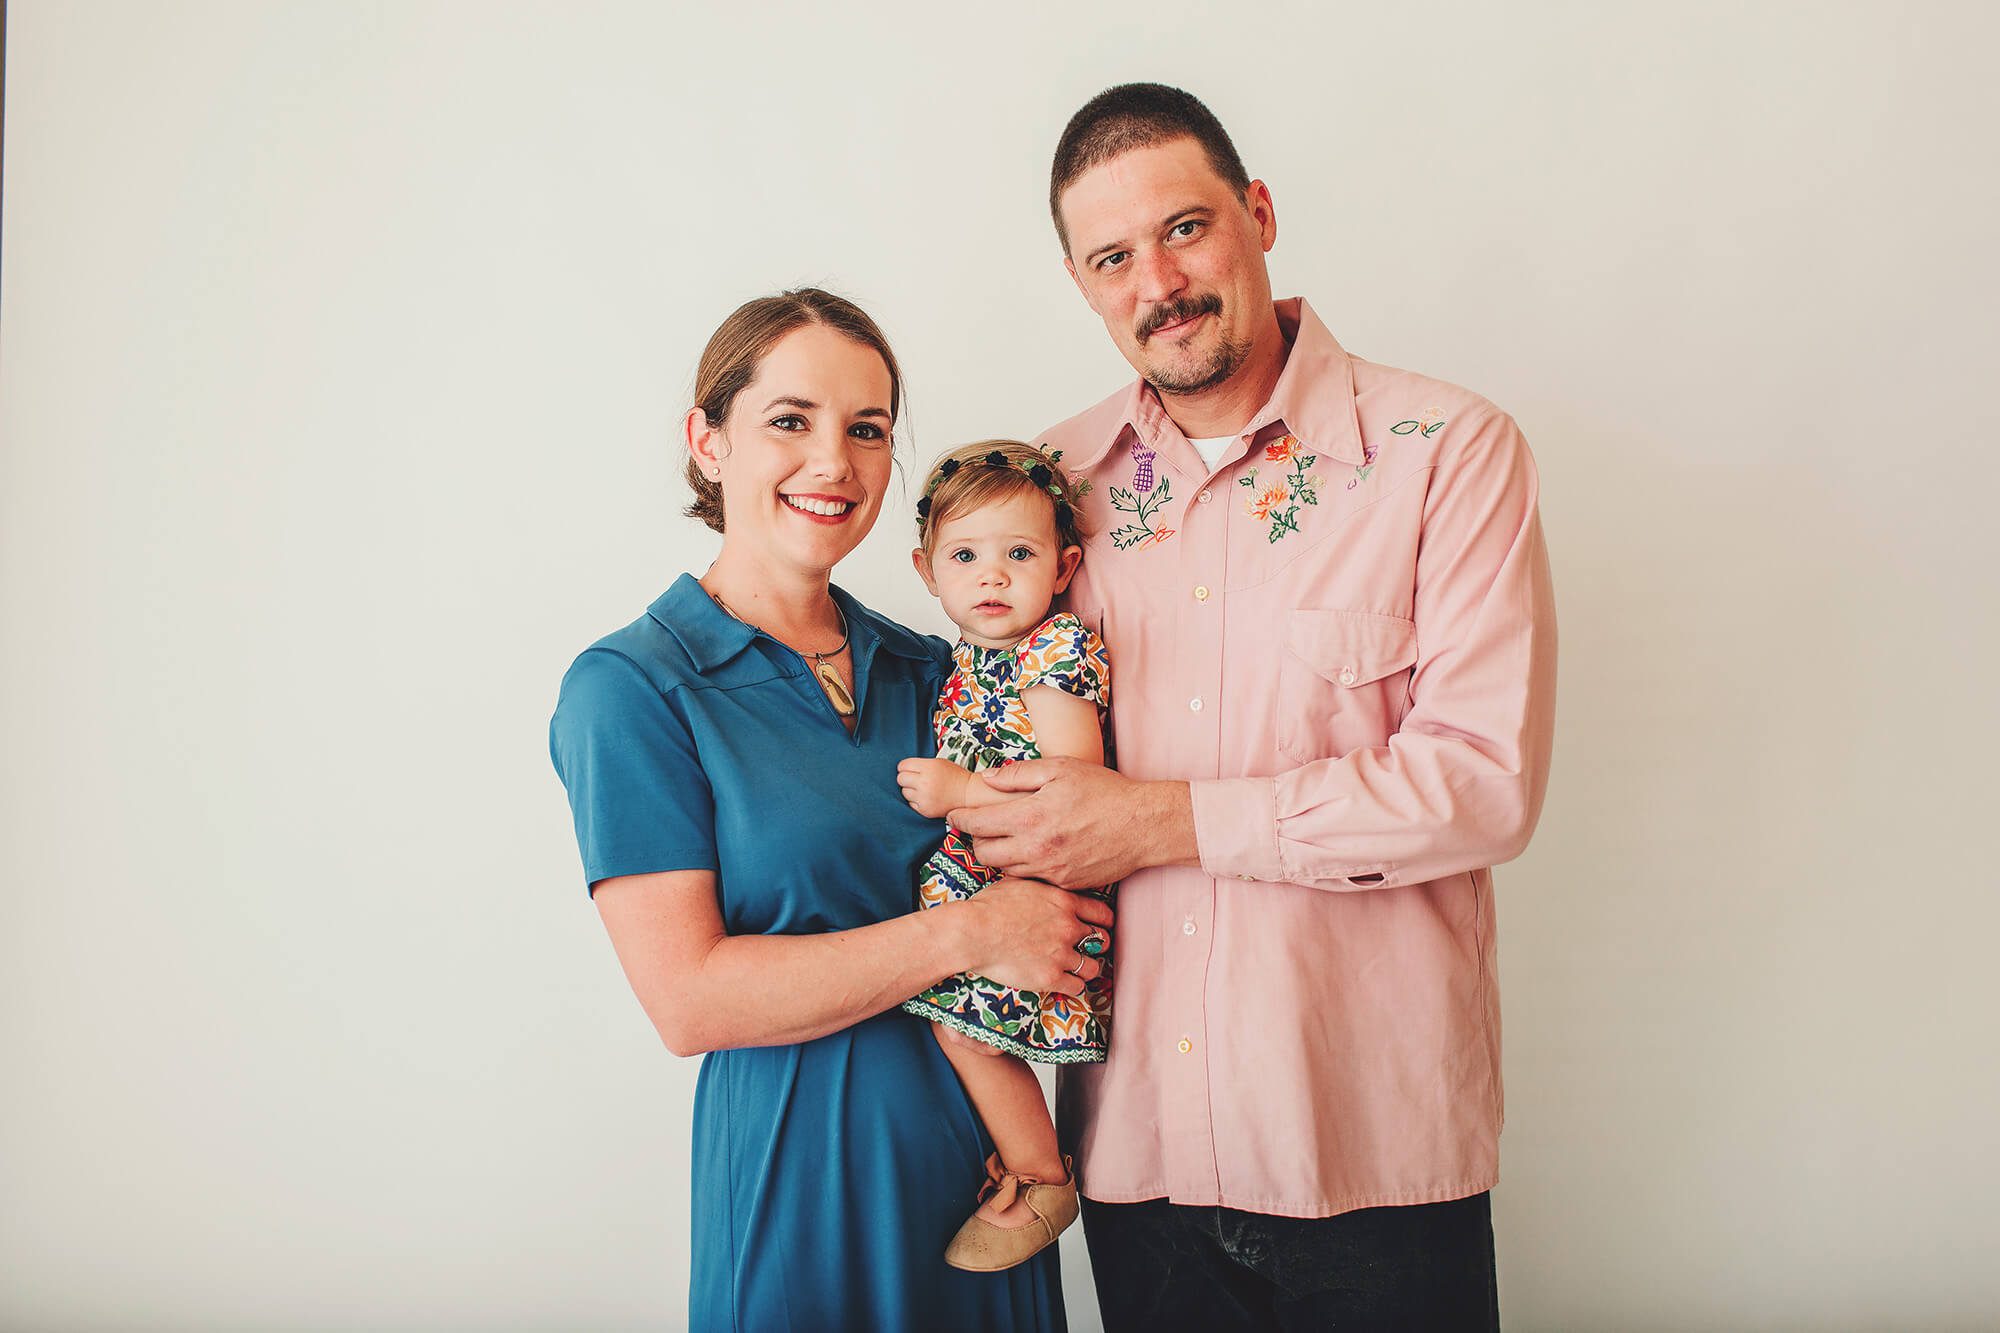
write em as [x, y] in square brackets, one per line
[1142, 468]
[1262, 503]
[1430, 421]
[1278, 503]
[1367, 466]
[1146, 508]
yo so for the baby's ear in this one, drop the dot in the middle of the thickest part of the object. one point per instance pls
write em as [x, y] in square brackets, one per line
[1066, 564]
[922, 564]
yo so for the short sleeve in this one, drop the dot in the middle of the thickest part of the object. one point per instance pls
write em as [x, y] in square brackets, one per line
[637, 791]
[1063, 653]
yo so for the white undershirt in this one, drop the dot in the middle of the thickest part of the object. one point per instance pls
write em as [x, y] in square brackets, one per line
[1210, 450]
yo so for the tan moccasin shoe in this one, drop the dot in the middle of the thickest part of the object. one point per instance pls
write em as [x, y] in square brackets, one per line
[982, 1247]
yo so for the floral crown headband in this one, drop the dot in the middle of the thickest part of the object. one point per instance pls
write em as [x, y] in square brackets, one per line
[1043, 473]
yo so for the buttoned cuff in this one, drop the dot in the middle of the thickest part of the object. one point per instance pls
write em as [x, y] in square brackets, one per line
[1236, 828]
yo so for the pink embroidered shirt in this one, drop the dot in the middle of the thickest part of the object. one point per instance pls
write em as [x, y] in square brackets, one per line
[1343, 637]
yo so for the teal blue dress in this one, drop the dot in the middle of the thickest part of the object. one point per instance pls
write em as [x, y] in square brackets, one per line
[828, 1176]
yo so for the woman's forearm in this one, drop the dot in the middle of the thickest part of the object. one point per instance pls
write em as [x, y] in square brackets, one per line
[774, 990]
[707, 990]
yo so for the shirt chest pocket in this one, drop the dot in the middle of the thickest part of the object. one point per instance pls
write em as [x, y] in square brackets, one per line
[1344, 681]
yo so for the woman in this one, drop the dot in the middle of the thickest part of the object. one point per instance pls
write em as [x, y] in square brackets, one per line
[731, 762]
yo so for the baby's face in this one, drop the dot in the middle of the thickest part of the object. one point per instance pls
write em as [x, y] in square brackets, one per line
[997, 569]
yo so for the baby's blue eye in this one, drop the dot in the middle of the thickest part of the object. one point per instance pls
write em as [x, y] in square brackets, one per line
[961, 556]
[1021, 553]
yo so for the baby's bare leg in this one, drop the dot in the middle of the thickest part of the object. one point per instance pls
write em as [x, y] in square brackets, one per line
[1008, 1097]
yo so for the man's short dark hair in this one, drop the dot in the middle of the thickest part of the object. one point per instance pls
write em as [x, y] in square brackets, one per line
[1137, 115]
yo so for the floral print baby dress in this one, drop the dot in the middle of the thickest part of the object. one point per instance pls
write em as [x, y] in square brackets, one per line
[982, 723]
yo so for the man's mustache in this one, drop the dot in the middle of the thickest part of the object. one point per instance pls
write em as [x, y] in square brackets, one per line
[1173, 312]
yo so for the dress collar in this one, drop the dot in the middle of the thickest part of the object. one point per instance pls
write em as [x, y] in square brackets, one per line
[711, 636]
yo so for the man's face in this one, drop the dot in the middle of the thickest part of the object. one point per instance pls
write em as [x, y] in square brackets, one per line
[1172, 260]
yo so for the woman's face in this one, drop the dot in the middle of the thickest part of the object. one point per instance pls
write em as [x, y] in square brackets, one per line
[805, 453]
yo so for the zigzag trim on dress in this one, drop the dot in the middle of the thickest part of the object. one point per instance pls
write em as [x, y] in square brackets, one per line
[948, 867]
[1040, 1055]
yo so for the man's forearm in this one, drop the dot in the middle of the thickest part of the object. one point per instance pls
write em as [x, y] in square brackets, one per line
[1165, 825]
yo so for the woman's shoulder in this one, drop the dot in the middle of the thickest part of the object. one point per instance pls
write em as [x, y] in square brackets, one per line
[660, 649]
[624, 668]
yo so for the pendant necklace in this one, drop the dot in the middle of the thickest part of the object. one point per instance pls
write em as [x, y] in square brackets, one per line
[829, 679]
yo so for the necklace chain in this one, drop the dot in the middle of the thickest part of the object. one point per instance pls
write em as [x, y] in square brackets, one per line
[828, 677]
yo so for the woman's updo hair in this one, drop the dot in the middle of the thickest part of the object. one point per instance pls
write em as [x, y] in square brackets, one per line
[738, 346]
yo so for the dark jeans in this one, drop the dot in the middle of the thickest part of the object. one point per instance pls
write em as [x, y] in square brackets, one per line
[1164, 1266]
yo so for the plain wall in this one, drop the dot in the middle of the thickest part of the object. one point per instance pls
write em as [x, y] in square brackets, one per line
[342, 348]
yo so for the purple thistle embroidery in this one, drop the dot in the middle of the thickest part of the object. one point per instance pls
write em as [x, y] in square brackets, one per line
[1142, 474]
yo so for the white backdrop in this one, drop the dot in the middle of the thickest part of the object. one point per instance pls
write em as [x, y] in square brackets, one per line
[341, 347]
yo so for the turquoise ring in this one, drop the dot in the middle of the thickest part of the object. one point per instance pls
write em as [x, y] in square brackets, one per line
[1093, 945]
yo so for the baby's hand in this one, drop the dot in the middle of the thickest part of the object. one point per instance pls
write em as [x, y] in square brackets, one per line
[933, 787]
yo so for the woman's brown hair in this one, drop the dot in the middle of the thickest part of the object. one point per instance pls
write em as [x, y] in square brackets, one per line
[738, 346]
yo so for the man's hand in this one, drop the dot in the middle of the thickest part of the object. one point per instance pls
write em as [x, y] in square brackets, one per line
[1082, 827]
[932, 786]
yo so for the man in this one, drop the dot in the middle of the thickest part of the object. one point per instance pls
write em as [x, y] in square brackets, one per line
[1333, 654]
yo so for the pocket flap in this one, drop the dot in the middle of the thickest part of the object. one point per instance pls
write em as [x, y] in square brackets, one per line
[1351, 647]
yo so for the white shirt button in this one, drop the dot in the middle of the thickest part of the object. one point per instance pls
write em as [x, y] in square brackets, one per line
[1204, 497]
[1194, 705]
[1187, 926]
[1347, 676]
[1186, 1046]
[1201, 592]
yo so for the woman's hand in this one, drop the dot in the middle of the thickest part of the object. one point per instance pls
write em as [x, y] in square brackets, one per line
[1026, 932]
[933, 786]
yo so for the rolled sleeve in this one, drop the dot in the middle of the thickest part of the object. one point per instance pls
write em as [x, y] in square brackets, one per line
[1236, 828]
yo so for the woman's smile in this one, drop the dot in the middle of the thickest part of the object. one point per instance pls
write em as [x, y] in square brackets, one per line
[828, 509]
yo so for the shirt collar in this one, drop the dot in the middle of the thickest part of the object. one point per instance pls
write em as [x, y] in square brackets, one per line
[1313, 399]
[711, 636]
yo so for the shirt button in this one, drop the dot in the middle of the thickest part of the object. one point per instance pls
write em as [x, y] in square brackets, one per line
[1347, 676]
[1186, 1046]
[1203, 497]
[1201, 592]
[1194, 705]
[1187, 926]
[1246, 877]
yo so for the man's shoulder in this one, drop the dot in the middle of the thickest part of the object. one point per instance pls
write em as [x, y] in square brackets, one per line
[1387, 397]
[1086, 437]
